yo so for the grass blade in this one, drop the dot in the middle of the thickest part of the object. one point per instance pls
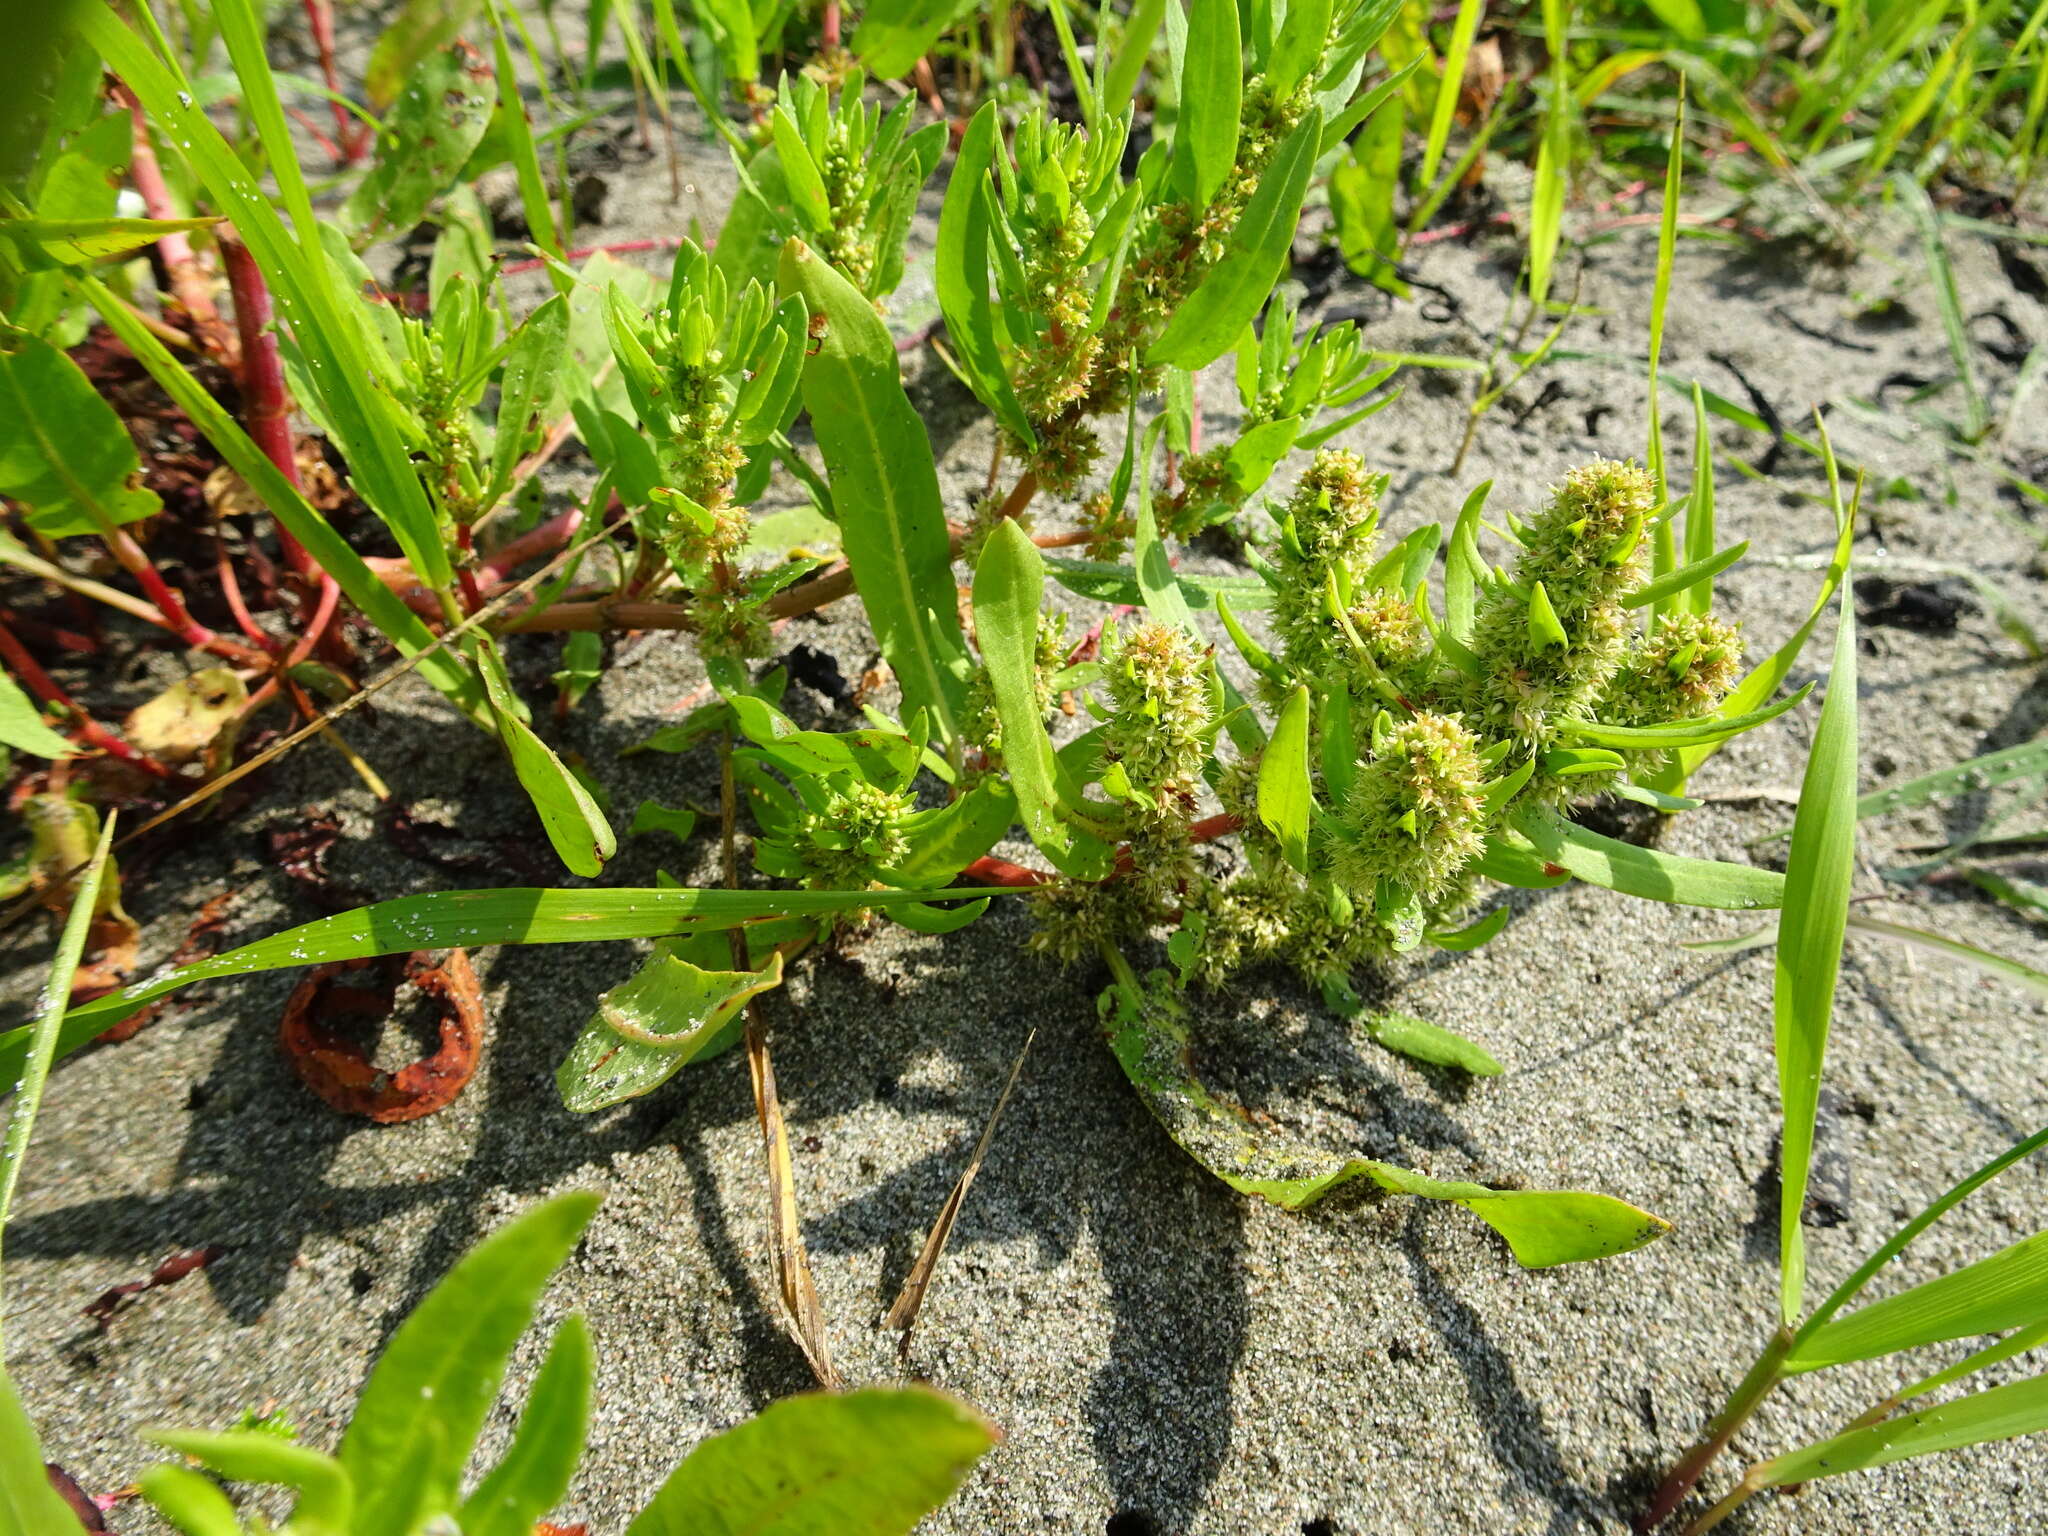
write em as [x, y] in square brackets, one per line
[1816, 909]
[446, 919]
[40, 1048]
[1998, 965]
[2002, 1413]
[1699, 510]
[1913, 197]
[2009, 1289]
[1448, 87]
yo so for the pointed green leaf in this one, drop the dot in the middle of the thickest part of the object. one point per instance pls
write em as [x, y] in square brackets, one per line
[1542, 1227]
[1678, 733]
[440, 1373]
[191, 1501]
[1009, 584]
[1285, 795]
[22, 726]
[1700, 573]
[64, 454]
[1432, 1043]
[1209, 322]
[1646, 872]
[81, 242]
[27, 1501]
[2007, 1290]
[886, 487]
[823, 1464]
[583, 839]
[327, 1494]
[2002, 1413]
[1816, 910]
[524, 391]
[960, 272]
[533, 1475]
[438, 119]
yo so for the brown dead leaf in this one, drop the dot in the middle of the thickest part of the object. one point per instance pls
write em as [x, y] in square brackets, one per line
[300, 850]
[228, 494]
[338, 1068]
[90, 1518]
[1485, 78]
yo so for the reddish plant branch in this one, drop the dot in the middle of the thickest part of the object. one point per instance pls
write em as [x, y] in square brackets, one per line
[191, 285]
[90, 731]
[176, 619]
[350, 136]
[266, 404]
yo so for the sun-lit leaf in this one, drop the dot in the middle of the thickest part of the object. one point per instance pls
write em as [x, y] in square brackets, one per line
[1432, 1043]
[438, 119]
[1149, 1038]
[1816, 909]
[2001, 1413]
[823, 1464]
[886, 486]
[22, 726]
[533, 1475]
[576, 825]
[64, 454]
[1210, 321]
[439, 1375]
[651, 1026]
[1647, 872]
[2006, 1290]
[1285, 795]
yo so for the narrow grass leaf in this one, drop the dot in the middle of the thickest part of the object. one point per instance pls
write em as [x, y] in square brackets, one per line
[1678, 585]
[1448, 87]
[42, 1036]
[2002, 1413]
[2009, 1289]
[1983, 959]
[1810, 927]
[1141, 30]
[1948, 301]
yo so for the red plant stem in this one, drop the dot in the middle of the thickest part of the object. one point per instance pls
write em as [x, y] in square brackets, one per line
[829, 27]
[583, 252]
[989, 870]
[190, 285]
[1754, 1388]
[171, 606]
[1209, 828]
[542, 539]
[231, 589]
[266, 404]
[45, 687]
[349, 134]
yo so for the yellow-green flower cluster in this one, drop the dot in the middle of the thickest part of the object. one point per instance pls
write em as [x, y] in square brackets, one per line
[1414, 814]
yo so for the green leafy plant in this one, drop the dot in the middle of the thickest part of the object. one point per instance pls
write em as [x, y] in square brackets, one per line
[2005, 1293]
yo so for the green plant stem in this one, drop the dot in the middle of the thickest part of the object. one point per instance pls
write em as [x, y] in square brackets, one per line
[42, 1049]
[1751, 1485]
[1742, 1402]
